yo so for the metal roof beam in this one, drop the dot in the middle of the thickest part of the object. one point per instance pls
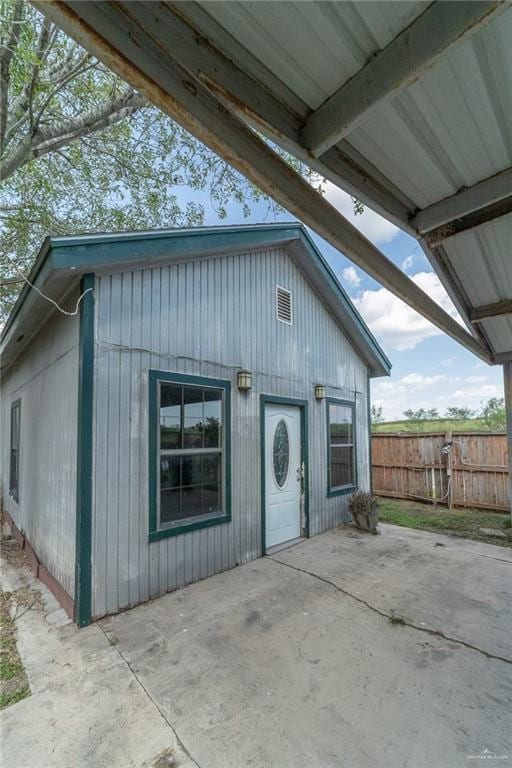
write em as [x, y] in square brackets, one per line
[444, 269]
[168, 85]
[470, 221]
[491, 310]
[502, 357]
[465, 201]
[418, 48]
[266, 112]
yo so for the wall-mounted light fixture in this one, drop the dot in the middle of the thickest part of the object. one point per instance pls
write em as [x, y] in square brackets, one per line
[320, 392]
[244, 380]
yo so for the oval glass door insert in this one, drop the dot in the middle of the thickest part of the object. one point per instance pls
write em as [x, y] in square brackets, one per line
[281, 453]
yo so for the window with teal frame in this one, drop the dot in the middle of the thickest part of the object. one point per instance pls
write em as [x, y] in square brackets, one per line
[189, 453]
[341, 447]
[14, 453]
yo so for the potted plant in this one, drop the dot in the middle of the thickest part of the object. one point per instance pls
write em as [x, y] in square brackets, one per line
[364, 510]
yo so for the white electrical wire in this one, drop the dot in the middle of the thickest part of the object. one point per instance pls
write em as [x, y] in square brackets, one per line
[63, 311]
[425, 498]
[470, 464]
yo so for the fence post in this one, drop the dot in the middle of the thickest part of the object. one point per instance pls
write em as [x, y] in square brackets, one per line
[449, 469]
[507, 381]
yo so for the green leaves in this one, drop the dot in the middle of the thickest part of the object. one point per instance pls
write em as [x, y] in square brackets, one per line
[132, 168]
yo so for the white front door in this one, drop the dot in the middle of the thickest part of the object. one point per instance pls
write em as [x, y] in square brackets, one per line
[282, 474]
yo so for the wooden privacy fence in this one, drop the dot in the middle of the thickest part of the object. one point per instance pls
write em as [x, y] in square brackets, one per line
[458, 469]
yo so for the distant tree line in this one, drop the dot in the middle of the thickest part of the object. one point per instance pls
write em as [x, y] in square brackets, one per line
[492, 414]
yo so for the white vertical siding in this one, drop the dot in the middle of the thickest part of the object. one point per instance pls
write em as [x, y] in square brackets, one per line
[45, 378]
[209, 318]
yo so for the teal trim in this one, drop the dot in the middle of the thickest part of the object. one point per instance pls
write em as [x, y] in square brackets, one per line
[39, 272]
[369, 411]
[304, 445]
[345, 300]
[175, 233]
[84, 456]
[14, 489]
[154, 377]
[342, 490]
[178, 530]
[156, 247]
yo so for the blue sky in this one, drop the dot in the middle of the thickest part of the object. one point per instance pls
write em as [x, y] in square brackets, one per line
[430, 370]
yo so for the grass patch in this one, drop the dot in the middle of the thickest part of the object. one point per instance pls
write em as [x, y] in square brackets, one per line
[432, 425]
[394, 618]
[13, 680]
[465, 523]
[8, 698]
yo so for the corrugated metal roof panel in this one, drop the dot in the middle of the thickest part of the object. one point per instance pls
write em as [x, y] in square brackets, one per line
[499, 332]
[483, 260]
[448, 130]
[453, 127]
[313, 47]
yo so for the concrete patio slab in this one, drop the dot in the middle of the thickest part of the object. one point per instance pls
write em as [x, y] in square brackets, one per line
[86, 709]
[456, 586]
[269, 666]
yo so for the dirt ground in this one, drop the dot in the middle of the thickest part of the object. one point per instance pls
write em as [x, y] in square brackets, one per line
[13, 681]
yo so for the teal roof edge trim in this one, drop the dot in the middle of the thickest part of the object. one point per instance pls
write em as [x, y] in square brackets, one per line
[345, 299]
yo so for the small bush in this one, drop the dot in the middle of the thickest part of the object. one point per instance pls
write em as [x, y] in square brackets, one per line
[362, 501]
[364, 510]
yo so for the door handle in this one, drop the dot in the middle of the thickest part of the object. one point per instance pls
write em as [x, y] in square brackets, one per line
[300, 473]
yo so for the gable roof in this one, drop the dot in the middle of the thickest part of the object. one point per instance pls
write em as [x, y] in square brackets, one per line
[63, 260]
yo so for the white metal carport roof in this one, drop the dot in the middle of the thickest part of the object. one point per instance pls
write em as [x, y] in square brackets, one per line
[406, 105]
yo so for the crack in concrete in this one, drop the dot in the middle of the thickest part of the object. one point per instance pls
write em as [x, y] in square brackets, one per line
[159, 710]
[482, 554]
[380, 612]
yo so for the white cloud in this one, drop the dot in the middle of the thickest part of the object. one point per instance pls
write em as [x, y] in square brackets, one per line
[408, 262]
[437, 391]
[351, 276]
[411, 391]
[375, 227]
[474, 395]
[413, 382]
[397, 325]
[417, 381]
[448, 362]
[476, 379]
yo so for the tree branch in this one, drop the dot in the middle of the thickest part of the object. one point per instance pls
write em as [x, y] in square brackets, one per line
[72, 129]
[22, 105]
[77, 69]
[6, 54]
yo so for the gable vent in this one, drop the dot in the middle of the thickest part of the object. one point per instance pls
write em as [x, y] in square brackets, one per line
[284, 305]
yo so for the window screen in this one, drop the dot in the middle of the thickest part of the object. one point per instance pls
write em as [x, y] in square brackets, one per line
[14, 468]
[341, 446]
[191, 452]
